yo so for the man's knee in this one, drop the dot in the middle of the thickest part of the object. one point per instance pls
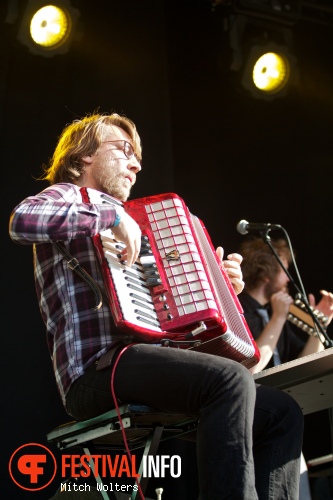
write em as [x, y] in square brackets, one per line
[291, 410]
[281, 406]
[241, 380]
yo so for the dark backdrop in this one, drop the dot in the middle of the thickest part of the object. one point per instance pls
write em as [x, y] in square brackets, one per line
[165, 64]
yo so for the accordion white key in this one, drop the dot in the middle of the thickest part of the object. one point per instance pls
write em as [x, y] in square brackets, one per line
[177, 293]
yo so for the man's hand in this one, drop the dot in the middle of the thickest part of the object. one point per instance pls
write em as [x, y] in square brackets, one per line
[233, 269]
[280, 302]
[325, 305]
[129, 233]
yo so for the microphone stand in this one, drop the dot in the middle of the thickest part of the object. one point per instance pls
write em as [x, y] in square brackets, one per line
[322, 334]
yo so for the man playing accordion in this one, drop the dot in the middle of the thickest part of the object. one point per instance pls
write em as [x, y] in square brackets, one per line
[248, 438]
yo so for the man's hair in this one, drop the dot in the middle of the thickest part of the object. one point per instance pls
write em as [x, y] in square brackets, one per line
[259, 261]
[81, 138]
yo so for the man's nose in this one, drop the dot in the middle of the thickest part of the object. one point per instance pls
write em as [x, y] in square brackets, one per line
[134, 165]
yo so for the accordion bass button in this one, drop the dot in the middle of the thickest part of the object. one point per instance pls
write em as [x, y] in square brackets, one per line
[154, 281]
[169, 316]
[145, 252]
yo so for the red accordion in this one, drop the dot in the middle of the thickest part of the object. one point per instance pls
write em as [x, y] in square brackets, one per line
[177, 293]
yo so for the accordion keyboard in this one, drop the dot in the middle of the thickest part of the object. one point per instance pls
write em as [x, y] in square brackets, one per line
[132, 283]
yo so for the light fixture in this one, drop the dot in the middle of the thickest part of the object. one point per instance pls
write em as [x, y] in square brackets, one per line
[47, 29]
[263, 57]
[50, 26]
[269, 71]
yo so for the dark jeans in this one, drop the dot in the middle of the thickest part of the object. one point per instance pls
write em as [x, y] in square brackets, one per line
[240, 425]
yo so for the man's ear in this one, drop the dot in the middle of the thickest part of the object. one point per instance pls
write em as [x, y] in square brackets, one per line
[87, 160]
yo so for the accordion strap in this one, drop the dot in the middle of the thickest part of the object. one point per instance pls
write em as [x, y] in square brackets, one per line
[74, 265]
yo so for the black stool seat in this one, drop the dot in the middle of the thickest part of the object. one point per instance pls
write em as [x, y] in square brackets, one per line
[138, 420]
[144, 427]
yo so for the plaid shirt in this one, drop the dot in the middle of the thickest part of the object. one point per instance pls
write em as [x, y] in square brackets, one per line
[76, 334]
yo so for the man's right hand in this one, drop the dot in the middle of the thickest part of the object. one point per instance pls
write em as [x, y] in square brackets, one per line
[129, 233]
[280, 302]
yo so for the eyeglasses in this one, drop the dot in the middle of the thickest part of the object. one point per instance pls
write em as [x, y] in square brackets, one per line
[127, 149]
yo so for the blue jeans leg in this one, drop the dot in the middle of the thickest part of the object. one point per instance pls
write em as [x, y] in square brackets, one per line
[277, 436]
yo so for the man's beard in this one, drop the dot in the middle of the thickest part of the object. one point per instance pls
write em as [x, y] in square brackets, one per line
[115, 184]
[113, 188]
[270, 289]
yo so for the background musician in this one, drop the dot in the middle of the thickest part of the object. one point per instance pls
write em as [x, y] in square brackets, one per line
[239, 425]
[266, 302]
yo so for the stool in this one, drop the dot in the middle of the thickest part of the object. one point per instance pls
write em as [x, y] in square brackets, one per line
[144, 427]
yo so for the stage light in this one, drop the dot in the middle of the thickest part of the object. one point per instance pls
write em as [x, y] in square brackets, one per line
[269, 72]
[262, 57]
[47, 29]
[50, 26]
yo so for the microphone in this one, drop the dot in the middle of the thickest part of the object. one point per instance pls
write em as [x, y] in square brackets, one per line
[243, 227]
